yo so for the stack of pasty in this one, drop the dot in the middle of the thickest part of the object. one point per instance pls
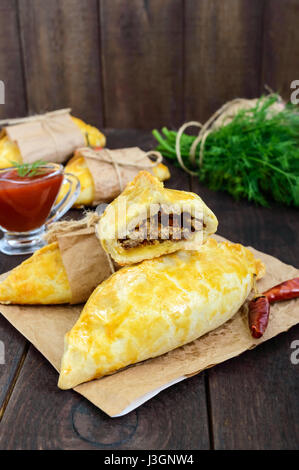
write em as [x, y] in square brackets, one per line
[172, 291]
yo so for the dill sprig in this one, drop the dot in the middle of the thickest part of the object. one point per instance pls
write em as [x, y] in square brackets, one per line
[29, 169]
[255, 156]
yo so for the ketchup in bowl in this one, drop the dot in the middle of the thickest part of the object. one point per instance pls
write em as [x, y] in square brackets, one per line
[26, 201]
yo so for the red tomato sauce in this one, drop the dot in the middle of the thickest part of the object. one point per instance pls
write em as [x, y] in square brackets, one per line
[25, 202]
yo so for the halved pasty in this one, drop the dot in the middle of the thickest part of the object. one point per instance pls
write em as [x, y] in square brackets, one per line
[148, 220]
[146, 310]
[41, 279]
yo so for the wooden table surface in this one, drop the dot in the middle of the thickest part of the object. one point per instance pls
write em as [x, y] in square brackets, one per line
[249, 402]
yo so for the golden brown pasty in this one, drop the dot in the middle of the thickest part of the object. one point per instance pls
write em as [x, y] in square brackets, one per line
[148, 220]
[41, 279]
[146, 310]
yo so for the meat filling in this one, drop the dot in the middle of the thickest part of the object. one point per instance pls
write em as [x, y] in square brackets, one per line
[161, 227]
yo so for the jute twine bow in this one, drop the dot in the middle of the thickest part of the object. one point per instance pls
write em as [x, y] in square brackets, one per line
[46, 120]
[218, 119]
[107, 156]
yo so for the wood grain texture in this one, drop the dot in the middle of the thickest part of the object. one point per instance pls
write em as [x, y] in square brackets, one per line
[222, 57]
[142, 47]
[62, 56]
[11, 67]
[281, 45]
[253, 397]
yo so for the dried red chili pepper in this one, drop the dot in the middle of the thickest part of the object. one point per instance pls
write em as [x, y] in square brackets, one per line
[284, 291]
[258, 315]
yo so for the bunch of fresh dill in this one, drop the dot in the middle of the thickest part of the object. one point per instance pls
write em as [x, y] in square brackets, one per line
[255, 156]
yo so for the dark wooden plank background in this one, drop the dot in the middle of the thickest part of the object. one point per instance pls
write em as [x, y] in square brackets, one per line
[11, 61]
[37, 415]
[249, 402]
[144, 63]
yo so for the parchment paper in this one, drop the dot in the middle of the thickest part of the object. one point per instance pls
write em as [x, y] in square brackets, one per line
[52, 137]
[119, 393]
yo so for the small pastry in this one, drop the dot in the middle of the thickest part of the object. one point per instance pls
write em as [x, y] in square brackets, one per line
[41, 279]
[87, 197]
[148, 220]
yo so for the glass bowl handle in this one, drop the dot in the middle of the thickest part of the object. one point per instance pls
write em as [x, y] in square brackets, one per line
[59, 209]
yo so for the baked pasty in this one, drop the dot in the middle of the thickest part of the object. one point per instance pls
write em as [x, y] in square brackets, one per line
[67, 270]
[78, 167]
[41, 279]
[148, 220]
[146, 310]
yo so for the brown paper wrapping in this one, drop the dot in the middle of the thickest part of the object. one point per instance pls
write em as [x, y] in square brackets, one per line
[85, 261]
[51, 137]
[45, 328]
[108, 185]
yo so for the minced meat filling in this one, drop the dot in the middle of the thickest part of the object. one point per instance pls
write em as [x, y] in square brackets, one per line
[161, 227]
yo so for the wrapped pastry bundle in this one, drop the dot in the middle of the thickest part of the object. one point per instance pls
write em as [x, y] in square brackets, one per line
[146, 310]
[148, 220]
[103, 173]
[51, 137]
[66, 270]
